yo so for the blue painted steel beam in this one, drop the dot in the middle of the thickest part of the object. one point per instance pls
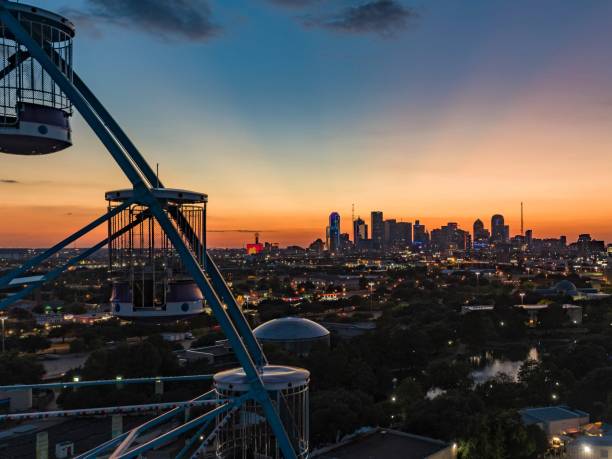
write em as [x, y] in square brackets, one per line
[140, 188]
[180, 430]
[51, 275]
[13, 62]
[72, 93]
[258, 389]
[106, 382]
[192, 441]
[35, 261]
[105, 411]
[91, 454]
[221, 286]
[100, 450]
[119, 134]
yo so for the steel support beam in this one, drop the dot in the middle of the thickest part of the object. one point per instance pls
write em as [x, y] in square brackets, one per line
[35, 261]
[180, 430]
[104, 410]
[224, 291]
[106, 382]
[146, 197]
[71, 262]
[92, 454]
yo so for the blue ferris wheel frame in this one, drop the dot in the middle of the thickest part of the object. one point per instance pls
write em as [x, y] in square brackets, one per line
[143, 179]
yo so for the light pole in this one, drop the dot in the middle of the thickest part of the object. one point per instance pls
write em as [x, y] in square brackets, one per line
[477, 283]
[371, 284]
[3, 318]
[522, 295]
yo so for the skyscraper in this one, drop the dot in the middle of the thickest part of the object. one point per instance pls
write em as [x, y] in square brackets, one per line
[404, 235]
[499, 231]
[360, 232]
[390, 236]
[334, 232]
[451, 238]
[420, 238]
[480, 233]
[378, 229]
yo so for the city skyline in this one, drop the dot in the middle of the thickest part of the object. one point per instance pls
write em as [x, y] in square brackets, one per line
[462, 113]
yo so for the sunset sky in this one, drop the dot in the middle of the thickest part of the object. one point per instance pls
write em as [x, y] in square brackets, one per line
[285, 110]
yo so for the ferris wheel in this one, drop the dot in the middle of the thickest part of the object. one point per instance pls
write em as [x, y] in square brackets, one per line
[159, 265]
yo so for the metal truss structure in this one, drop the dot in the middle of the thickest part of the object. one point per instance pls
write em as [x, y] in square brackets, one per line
[175, 225]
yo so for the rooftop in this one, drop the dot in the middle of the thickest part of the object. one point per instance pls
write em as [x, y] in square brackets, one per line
[385, 444]
[290, 329]
[550, 413]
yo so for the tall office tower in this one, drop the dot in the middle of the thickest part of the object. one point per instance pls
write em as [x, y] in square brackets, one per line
[360, 233]
[404, 235]
[499, 231]
[390, 236]
[378, 230]
[334, 232]
[345, 242]
[529, 237]
[420, 236]
[451, 238]
[480, 233]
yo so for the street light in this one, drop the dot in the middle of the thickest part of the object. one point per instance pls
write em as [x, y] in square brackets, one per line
[371, 284]
[3, 318]
[477, 283]
[522, 295]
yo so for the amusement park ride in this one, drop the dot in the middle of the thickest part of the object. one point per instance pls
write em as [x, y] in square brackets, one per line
[158, 261]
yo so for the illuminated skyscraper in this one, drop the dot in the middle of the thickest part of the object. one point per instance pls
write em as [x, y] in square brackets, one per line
[390, 228]
[499, 231]
[404, 235]
[420, 238]
[378, 230]
[480, 233]
[334, 232]
[360, 232]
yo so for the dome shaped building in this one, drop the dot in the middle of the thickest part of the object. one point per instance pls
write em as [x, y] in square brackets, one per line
[565, 287]
[295, 334]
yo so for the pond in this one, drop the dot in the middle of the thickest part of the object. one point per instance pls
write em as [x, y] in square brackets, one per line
[489, 365]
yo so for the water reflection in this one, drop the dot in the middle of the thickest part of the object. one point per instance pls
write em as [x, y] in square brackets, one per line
[493, 366]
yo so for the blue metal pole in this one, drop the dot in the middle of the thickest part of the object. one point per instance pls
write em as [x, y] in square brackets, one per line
[244, 357]
[127, 166]
[73, 94]
[119, 134]
[105, 382]
[220, 286]
[142, 428]
[165, 438]
[192, 441]
[35, 261]
[51, 275]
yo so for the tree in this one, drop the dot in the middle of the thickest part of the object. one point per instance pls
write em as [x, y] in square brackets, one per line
[336, 413]
[33, 343]
[409, 392]
[444, 375]
[553, 316]
[16, 369]
[77, 346]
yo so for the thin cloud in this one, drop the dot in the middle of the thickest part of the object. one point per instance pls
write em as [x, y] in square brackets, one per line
[384, 17]
[9, 181]
[294, 3]
[189, 20]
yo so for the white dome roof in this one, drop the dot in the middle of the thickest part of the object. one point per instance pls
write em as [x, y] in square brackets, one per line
[290, 329]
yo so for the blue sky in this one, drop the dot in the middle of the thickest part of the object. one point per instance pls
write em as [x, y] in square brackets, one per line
[281, 119]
